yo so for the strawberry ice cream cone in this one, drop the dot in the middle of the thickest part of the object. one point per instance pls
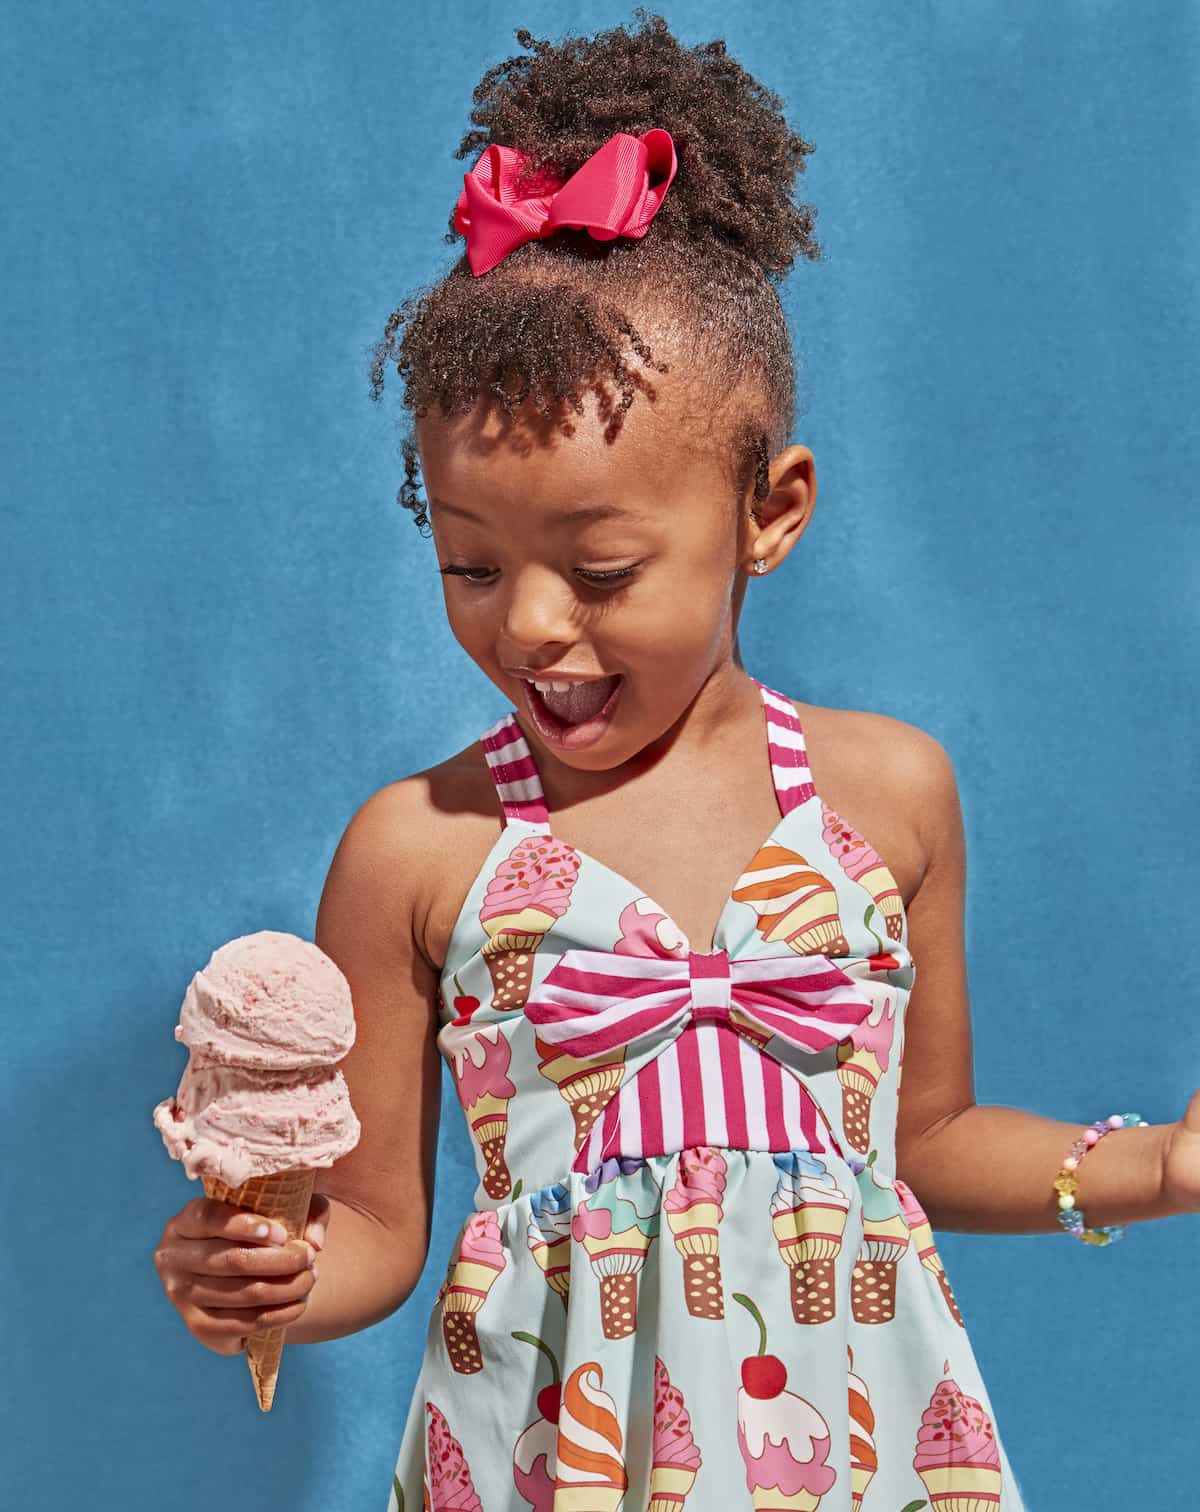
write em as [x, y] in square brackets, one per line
[957, 1455]
[676, 1458]
[864, 1461]
[450, 1487]
[694, 1211]
[862, 864]
[808, 1217]
[286, 1196]
[590, 1474]
[795, 903]
[480, 1056]
[926, 1248]
[481, 1258]
[528, 894]
[616, 1237]
[584, 1085]
[549, 1236]
[784, 1440]
[885, 1238]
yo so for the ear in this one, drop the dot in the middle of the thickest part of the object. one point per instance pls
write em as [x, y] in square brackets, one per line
[774, 525]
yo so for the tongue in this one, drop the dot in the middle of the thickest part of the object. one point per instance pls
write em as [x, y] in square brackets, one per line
[584, 701]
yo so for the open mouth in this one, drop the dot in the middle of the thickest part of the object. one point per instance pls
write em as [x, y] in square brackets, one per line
[575, 716]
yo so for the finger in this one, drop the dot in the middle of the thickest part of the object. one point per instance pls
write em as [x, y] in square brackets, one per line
[219, 1257]
[207, 1218]
[223, 1293]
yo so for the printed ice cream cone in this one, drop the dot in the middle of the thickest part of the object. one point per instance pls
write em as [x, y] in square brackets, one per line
[808, 1217]
[676, 1458]
[480, 1056]
[885, 1238]
[450, 1487]
[794, 902]
[481, 1258]
[865, 1056]
[694, 1211]
[862, 864]
[549, 1236]
[864, 1461]
[530, 891]
[858, 1072]
[616, 1237]
[926, 1248]
[584, 1085]
[957, 1455]
[286, 1195]
[784, 1440]
[590, 1473]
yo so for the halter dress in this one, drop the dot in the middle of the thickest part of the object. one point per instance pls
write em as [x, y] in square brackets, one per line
[691, 1281]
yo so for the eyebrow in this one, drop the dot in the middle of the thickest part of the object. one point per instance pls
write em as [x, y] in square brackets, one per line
[585, 514]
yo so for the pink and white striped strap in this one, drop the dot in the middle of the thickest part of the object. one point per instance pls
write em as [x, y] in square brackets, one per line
[519, 784]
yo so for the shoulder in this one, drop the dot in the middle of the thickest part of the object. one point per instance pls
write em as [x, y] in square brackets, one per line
[407, 846]
[897, 775]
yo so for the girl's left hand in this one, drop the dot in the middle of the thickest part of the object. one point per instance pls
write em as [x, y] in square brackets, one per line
[1181, 1162]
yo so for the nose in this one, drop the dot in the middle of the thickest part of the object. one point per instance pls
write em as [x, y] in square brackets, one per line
[538, 612]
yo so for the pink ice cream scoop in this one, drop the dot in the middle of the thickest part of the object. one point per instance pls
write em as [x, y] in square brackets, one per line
[539, 873]
[263, 1022]
[955, 1430]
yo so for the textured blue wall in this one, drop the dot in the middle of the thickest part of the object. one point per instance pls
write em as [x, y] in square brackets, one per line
[219, 630]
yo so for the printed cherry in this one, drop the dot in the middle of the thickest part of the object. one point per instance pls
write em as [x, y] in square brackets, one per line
[465, 1007]
[549, 1401]
[763, 1375]
[549, 1398]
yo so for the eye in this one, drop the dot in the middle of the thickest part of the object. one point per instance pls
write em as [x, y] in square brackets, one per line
[451, 570]
[615, 575]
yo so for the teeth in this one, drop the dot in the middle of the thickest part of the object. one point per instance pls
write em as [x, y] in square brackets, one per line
[555, 687]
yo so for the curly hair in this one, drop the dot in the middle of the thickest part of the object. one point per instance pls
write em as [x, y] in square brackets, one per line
[548, 323]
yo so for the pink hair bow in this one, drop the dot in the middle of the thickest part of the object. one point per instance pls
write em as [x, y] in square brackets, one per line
[610, 195]
[595, 1001]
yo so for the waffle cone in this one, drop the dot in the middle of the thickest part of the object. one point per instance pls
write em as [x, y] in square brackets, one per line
[873, 1291]
[618, 1304]
[669, 1486]
[511, 972]
[286, 1196]
[555, 1262]
[497, 1180]
[962, 1488]
[585, 1110]
[814, 1290]
[462, 1341]
[861, 1477]
[771, 1499]
[856, 1117]
[951, 1302]
[588, 1498]
[702, 1289]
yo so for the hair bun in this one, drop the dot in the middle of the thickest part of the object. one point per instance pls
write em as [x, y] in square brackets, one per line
[738, 158]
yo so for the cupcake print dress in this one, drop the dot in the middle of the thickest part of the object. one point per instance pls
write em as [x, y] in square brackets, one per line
[691, 1281]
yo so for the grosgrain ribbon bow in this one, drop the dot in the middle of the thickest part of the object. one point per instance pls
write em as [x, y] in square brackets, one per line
[610, 195]
[594, 1001]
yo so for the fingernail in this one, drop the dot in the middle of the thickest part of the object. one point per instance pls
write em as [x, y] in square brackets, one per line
[316, 1272]
[318, 1237]
[278, 1234]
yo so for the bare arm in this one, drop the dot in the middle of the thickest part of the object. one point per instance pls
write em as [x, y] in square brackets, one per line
[381, 1193]
[973, 1168]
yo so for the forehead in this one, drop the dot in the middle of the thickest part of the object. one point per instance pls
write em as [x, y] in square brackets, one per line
[663, 448]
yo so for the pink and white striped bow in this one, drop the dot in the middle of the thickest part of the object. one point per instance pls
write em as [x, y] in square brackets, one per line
[595, 1001]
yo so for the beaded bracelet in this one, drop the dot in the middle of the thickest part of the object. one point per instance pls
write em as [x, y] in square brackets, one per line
[1066, 1183]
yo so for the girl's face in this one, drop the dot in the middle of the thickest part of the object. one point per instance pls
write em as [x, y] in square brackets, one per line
[572, 558]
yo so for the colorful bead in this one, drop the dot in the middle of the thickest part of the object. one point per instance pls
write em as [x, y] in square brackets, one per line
[1066, 1184]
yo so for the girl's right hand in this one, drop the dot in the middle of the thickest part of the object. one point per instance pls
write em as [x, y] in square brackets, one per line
[224, 1280]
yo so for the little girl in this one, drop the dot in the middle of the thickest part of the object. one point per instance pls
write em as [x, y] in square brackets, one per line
[641, 918]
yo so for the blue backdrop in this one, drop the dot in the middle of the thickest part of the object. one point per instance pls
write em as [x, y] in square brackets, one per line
[222, 633]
